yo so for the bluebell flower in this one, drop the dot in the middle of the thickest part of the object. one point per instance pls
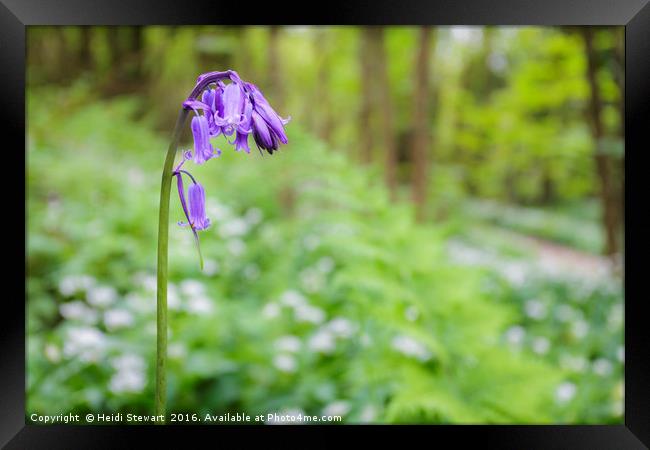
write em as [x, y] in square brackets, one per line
[196, 214]
[203, 149]
[237, 108]
[233, 117]
[268, 126]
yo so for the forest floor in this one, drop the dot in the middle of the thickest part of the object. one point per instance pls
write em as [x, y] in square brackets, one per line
[487, 243]
[564, 258]
[557, 240]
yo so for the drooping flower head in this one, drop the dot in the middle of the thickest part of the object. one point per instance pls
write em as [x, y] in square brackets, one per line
[196, 196]
[203, 149]
[203, 128]
[268, 126]
[237, 108]
[195, 213]
[197, 219]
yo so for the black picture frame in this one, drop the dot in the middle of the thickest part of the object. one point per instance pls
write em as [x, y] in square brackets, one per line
[15, 15]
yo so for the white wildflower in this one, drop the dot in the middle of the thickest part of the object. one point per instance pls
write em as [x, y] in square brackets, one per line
[128, 361]
[602, 367]
[574, 363]
[289, 343]
[615, 317]
[173, 297]
[541, 345]
[73, 284]
[515, 335]
[368, 414]
[200, 305]
[177, 351]
[210, 267]
[253, 216]
[192, 288]
[139, 303]
[311, 242]
[77, 310]
[293, 299]
[325, 264]
[101, 296]
[218, 211]
[234, 228]
[285, 363]
[515, 273]
[135, 176]
[236, 247]
[311, 280]
[341, 327]
[146, 281]
[129, 374]
[410, 347]
[52, 353]
[579, 328]
[308, 313]
[86, 343]
[117, 318]
[337, 408]
[322, 342]
[535, 309]
[271, 310]
[565, 392]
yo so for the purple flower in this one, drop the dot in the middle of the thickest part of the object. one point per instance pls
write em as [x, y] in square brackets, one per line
[195, 214]
[203, 149]
[198, 219]
[268, 126]
[208, 99]
[241, 142]
[237, 108]
[241, 138]
[213, 99]
[233, 116]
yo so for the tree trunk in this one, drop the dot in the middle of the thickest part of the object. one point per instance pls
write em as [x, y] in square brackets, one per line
[136, 51]
[547, 195]
[420, 145]
[84, 50]
[114, 45]
[385, 109]
[365, 113]
[602, 160]
[275, 72]
[323, 120]
[620, 58]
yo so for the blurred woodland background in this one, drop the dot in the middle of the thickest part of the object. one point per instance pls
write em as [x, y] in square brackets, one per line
[440, 242]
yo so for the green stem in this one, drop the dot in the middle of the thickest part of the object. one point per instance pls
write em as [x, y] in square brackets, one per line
[163, 239]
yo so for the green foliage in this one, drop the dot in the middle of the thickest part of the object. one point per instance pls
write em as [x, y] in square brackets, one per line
[525, 139]
[569, 318]
[316, 292]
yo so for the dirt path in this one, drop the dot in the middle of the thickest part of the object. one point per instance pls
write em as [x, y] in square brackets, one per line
[558, 257]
